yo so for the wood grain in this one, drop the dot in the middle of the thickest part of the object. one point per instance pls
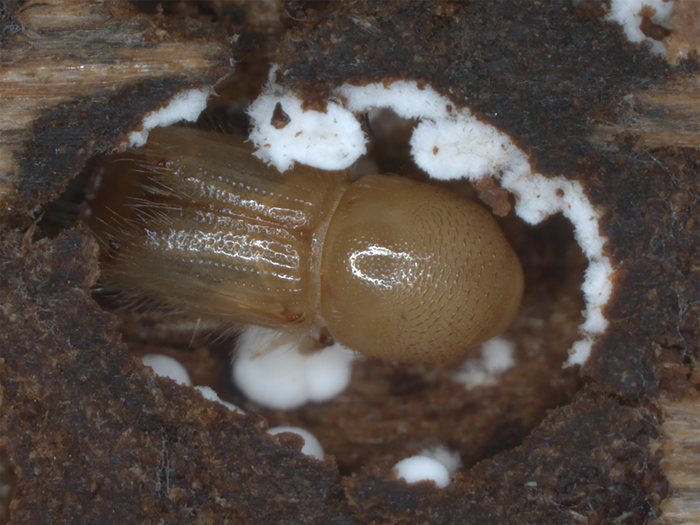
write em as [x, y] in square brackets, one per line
[681, 461]
[663, 115]
[69, 77]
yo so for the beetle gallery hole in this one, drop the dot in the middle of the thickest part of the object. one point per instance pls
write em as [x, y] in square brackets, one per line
[478, 405]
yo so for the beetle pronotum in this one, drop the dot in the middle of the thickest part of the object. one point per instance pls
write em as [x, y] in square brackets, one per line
[391, 267]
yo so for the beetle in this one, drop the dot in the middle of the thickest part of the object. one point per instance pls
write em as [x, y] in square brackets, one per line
[387, 266]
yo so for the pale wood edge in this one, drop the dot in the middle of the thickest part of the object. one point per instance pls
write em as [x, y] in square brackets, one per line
[680, 443]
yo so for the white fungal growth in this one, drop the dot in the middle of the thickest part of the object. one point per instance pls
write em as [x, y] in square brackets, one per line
[166, 366]
[211, 395]
[312, 447]
[274, 373]
[496, 358]
[450, 459]
[628, 14]
[422, 468]
[186, 105]
[328, 141]
[448, 143]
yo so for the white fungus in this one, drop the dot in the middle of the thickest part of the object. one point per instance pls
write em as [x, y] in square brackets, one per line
[449, 458]
[186, 105]
[627, 13]
[270, 369]
[311, 447]
[166, 366]
[329, 141]
[211, 395]
[422, 468]
[448, 143]
[496, 358]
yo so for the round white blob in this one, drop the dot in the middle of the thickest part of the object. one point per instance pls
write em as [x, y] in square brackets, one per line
[496, 357]
[423, 468]
[211, 395]
[275, 378]
[166, 366]
[271, 370]
[328, 372]
[311, 447]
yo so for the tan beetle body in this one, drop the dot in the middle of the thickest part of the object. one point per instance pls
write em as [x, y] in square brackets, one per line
[393, 268]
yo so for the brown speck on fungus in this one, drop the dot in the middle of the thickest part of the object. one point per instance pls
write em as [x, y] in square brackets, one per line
[279, 118]
[652, 30]
[493, 195]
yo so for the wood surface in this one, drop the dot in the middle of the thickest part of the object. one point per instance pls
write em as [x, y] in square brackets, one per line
[681, 460]
[66, 63]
